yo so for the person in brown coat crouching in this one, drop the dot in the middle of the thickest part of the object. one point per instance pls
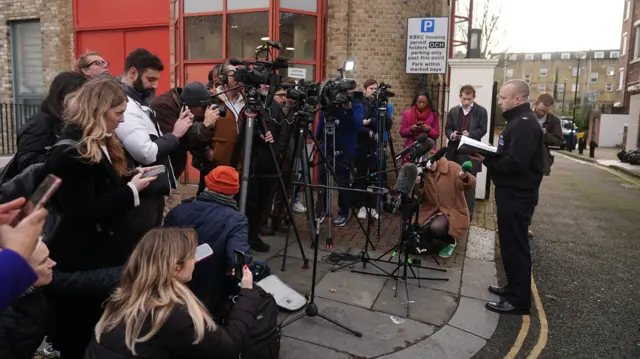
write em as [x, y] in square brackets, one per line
[445, 205]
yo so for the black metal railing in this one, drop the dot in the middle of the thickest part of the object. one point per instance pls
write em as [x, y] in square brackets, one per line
[12, 117]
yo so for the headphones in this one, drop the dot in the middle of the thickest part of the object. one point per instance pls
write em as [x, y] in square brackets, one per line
[223, 78]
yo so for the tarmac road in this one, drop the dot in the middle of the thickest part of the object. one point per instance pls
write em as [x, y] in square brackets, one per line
[586, 265]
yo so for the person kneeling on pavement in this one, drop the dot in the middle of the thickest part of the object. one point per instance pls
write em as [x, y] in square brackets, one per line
[215, 216]
[445, 204]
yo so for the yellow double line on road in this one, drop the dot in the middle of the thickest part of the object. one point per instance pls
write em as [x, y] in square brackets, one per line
[543, 334]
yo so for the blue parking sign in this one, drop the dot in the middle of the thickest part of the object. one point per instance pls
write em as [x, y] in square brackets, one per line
[427, 25]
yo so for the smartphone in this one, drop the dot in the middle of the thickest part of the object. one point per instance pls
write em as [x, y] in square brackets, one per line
[240, 262]
[203, 251]
[154, 172]
[39, 198]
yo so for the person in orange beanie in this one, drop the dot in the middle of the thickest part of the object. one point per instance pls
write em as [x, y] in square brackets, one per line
[215, 216]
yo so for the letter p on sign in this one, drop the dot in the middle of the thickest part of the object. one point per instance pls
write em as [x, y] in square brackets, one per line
[428, 25]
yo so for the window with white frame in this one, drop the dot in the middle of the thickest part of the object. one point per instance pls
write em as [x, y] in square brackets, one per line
[611, 71]
[546, 56]
[560, 88]
[627, 9]
[575, 88]
[625, 39]
[527, 78]
[621, 80]
[26, 60]
[509, 73]
[575, 71]
[614, 54]
[542, 88]
[608, 87]
[598, 55]
[636, 45]
[594, 77]
[543, 72]
[565, 56]
[528, 56]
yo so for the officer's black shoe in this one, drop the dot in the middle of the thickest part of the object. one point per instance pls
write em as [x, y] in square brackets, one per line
[505, 307]
[498, 290]
[258, 245]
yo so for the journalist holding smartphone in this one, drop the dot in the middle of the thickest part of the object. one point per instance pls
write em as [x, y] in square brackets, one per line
[94, 201]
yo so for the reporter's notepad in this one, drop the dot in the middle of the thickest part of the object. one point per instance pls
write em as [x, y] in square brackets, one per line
[468, 145]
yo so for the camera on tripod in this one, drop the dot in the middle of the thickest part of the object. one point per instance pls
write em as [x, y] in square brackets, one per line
[260, 73]
[303, 92]
[337, 92]
[383, 93]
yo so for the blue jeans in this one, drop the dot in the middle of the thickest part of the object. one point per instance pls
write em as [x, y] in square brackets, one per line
[342, 171]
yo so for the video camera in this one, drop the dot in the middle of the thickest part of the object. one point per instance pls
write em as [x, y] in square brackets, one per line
[383, 93]
[337, 92]
[260, 73]
[304, 91]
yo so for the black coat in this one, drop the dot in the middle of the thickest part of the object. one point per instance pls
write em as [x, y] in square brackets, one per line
[23, 326]
[95, 232]
[175, 338]
[478, 120]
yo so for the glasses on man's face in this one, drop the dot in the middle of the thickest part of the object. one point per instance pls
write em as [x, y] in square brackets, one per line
[99, 63]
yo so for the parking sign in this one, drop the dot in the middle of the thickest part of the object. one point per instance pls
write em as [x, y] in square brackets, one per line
[427, 25]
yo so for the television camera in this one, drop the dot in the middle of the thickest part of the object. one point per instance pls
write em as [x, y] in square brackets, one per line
[337, 92]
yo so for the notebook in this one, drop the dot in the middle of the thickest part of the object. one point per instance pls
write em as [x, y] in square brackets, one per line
[468, 146]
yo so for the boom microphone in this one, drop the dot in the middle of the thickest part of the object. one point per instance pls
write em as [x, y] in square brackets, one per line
[406, 179]
[419, 142]
[235, 62]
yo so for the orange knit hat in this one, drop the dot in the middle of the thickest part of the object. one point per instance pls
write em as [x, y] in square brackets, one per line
[223, 179]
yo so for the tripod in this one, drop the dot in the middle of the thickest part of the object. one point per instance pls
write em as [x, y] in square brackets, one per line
[253, 113]
[311, 309]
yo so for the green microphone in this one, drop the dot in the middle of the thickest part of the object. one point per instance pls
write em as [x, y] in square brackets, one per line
[467, 166]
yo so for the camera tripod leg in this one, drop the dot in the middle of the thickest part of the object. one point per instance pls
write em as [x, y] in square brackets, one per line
[352, 331]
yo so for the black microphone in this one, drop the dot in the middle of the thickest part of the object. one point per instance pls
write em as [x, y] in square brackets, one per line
[422, 150]
[275, 44]
[436, 156]
[235, 62]
[406, 179]
[419, 142]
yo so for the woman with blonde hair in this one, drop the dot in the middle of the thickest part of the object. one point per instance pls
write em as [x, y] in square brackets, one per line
[153, 314]
[96, 195]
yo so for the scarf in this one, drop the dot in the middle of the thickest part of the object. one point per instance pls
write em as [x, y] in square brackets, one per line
[417, 116]
[219, 198]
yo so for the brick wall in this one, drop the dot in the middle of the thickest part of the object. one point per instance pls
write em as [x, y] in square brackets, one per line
[632, 74]
[56, 23]
[373, 34]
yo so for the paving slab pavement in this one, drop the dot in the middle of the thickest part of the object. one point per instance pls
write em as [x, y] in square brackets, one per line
[447, 319]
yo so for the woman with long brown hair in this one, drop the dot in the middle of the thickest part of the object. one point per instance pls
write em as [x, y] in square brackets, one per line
[94, 200]
[153, 314]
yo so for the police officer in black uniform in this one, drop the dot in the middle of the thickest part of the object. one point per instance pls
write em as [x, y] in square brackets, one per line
[516, 172]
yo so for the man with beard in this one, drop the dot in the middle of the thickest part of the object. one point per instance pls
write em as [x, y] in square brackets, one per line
[195, 96]
[144, 142]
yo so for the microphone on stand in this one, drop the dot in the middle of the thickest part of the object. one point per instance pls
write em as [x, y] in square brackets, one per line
[436, 156]
[419, 142]
[406, 179]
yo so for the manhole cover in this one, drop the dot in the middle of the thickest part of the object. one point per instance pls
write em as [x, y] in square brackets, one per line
[630, 185]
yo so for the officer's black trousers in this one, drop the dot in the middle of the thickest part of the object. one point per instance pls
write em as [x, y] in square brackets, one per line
[514, 209]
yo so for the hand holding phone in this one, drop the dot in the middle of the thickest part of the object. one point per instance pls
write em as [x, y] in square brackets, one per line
[23, 238]
[153, 171]
[39, 198]
[240, 263]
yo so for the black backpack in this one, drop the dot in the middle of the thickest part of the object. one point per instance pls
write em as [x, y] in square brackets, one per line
[265, 335]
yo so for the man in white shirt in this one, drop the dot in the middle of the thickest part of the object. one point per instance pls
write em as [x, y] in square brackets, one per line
[141, 137]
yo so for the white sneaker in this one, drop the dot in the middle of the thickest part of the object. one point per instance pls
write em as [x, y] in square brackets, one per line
[374, 214]
[362, 213]
[299, 207]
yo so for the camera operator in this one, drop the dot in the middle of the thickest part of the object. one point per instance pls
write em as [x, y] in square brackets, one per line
[349, 117]
[367, 158]
[168, 106]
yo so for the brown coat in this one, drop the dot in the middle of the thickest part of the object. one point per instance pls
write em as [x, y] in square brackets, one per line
[444, 193]
[225, 137]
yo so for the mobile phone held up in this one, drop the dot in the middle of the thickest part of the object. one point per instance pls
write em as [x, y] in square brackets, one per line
[203, 251]
[240, 262]
[155, 172]
[39, 198]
